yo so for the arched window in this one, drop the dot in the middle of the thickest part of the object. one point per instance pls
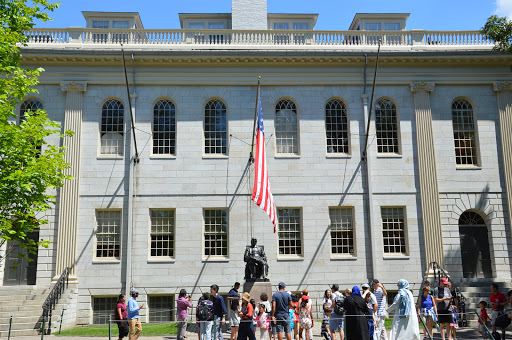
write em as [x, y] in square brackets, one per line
[164, 128]
[30, 105]
[286, 128]
[464, 133]
[336, 126]
[215, 128]
[112, 128]
[387, 127]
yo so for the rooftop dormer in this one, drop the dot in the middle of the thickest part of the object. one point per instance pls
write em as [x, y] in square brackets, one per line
[116, 20]
[379, 22]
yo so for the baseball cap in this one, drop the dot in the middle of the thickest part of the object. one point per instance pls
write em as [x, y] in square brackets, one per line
[444, 280]
[281, 285]
[135, 291]
[375, 281]
[365, 285]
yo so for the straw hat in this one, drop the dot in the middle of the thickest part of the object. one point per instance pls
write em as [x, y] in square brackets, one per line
[246, 297]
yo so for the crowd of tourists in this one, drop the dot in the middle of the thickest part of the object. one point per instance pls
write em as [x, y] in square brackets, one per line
[354, 314]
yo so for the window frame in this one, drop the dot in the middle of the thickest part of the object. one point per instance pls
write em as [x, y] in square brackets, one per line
[111, 156]
[19, 117]
[173, 307]
[164, 155]
[287, 155]
[162, 258]
[93, 298]
[215, 258]
[397, 154]
[215, 155]
[349, 144]
[406, 232]
[114, 259]
[478, 164]
[292, 257]
[354, 236]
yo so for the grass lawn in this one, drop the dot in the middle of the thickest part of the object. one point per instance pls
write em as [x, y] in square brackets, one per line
[147, 329]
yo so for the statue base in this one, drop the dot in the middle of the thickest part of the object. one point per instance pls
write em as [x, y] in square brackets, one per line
[257, 286]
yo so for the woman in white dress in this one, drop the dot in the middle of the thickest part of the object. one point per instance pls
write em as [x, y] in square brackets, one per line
[405, 322]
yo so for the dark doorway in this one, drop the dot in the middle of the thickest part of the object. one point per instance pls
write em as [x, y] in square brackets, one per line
[474, 244]
[18, 269]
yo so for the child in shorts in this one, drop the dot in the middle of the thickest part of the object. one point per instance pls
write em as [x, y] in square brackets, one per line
[485, 317]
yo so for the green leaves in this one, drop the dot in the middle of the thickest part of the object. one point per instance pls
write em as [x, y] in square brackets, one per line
[30, 168]
[500, 31]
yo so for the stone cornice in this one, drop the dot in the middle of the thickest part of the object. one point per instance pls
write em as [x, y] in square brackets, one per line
[422, 86]
[502, 86]
[79, 86]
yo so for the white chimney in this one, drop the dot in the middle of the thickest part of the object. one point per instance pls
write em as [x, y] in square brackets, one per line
[249, 14]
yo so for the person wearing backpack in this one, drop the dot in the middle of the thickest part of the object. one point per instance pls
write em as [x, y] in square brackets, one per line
[338, 311]
[204, 315]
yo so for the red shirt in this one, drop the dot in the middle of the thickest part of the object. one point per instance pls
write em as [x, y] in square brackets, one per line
[250, 310]
[498, 299]
[483, 315]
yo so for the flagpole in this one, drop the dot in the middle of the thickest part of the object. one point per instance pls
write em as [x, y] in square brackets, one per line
[251, 157]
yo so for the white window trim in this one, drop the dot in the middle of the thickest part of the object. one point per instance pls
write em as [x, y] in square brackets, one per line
[105, 156]
[353, 256]
[406, 234]
[477, 166]
[209, 155]
[398, 154]
[214, 258]
[339, 154]
[287, 155]
[105, 260]
[164, 156]
[288, 257]
[161, 258]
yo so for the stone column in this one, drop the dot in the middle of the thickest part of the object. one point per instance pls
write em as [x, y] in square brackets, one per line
[504, 95]
[69, 193]
[429, 191]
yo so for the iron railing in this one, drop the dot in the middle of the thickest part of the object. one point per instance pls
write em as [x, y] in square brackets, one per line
[53, 298]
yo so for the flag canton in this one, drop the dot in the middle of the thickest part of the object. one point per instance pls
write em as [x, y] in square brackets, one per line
[260, 116]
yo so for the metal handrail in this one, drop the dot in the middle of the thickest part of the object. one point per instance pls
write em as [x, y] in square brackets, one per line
[439, 272]
[53, 298]
[485, 325]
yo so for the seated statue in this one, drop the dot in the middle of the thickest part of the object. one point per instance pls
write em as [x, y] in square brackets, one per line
[257, 266]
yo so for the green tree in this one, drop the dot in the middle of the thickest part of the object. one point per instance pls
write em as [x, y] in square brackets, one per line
[30, 168]
[500, 31]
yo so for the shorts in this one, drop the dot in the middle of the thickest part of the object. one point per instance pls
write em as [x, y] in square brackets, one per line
[444, 316]
[494, 316]
[283, 324]
[336, 322]
[428, 318]
[481, 328]
[273, 328]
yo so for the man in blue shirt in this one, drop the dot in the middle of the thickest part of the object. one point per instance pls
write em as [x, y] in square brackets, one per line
[232, 294]
[219, 311]
[133, 315]
[281, 303]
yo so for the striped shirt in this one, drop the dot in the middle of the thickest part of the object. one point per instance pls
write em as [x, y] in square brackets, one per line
[381, 302]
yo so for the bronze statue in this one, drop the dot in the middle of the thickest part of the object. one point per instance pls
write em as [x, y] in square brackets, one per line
[257, 266]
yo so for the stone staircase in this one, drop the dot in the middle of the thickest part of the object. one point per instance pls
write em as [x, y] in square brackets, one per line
[24, 305]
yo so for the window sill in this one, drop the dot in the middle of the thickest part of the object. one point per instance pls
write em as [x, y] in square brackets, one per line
[389, 155]
[100, 261]
[109, 157]
[215, 156]
[290, 258]
[162, 157]
[161, 260]
[468, 167]
[286, 156]
[396, 257]
[215, 259]
[338, 155]
[343, 257]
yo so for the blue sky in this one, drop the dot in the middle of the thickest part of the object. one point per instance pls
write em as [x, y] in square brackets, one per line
[333, 14]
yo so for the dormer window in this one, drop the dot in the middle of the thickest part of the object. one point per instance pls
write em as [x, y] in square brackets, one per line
[280, 25]
[392, 27]
[196, 25]
[120, 24]
[100, 24]
[300, 26]
[216, 25]
[373, 27]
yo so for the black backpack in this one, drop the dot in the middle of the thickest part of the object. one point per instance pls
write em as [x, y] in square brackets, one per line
[339, 305]
[204, 312]
[496, 336]
[502, 321]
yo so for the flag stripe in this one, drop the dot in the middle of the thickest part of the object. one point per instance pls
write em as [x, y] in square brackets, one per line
[261, 193]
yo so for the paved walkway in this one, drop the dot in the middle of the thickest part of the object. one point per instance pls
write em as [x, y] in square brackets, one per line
[462, 334]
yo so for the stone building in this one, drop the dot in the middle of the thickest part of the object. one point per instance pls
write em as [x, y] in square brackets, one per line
[434, 185]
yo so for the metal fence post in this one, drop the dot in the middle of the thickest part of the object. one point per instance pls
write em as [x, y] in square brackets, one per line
[44, 325]
[109, 327]
[61, 317]
[10, 325]
[214, 328]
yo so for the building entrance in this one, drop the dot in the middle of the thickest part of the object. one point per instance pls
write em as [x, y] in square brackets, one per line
[18, 269]
[474, 243]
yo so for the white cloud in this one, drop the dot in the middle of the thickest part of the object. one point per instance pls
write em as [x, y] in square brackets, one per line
[504, 8]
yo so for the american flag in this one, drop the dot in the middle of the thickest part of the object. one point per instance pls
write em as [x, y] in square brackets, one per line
[261, 193]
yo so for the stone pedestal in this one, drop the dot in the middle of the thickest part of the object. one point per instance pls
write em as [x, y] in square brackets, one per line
[255, 288]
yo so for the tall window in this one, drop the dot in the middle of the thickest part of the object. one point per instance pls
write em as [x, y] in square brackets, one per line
[393, 230]
[342, 230]
[164, 128]
[216, 232]
[162, 233]
[336, 127]
[392, 26]
[215, 128]
[286, 128]
[373, 27]
[281, 26]
[386, 126]
[290, 231]
[112, 128]
[108, 234]
[464, 133]
[161, 308]
[101, 309]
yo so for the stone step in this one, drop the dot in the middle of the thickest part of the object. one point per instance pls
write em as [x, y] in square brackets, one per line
[21, 325]
[23, 332]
